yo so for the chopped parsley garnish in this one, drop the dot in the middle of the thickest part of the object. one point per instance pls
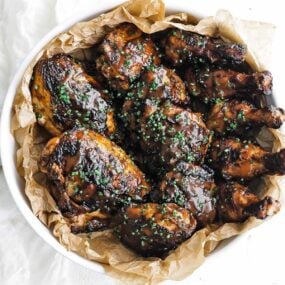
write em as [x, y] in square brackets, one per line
[153, 86]
[63, 94]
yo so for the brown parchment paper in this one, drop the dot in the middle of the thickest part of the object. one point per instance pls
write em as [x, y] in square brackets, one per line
[102, 247]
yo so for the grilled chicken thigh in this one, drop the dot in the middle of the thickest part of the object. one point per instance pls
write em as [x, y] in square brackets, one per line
[192, 187]
[63, 96]
[234, 159]
[209, 84]
[154, 229]
[125, 53]
[236, 203]
[159, 84]
[88, 172]
[176, 134]
[181, 47]
[235, 115]
[166, 131]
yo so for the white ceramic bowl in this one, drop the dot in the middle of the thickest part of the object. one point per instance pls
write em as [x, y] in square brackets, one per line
[9, 146]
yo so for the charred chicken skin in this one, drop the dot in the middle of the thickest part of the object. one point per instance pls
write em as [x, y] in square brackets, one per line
[88, 172]
[192, 187]
[154, 229]
[125, 53]
[168, 132]
[236, 203]
[209, 85]
[181, 47]
[63, 96]
[234, 159]
[176, 134]
[160, 83]
[236, 115]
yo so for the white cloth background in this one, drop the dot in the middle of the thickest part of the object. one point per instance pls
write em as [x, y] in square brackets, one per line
[257, 257]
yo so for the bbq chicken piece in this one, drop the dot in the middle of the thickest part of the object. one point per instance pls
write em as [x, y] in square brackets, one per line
[182, 46]
[88, 172]
[211, 84]
[236, 203]
[234, 159]
[192, 187]
[126, 52]
[154, 229]
[159, 83]
[173, 133]
[64, 96]
[235, 115]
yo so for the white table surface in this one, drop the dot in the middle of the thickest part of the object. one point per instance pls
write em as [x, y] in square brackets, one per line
[256, 257]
